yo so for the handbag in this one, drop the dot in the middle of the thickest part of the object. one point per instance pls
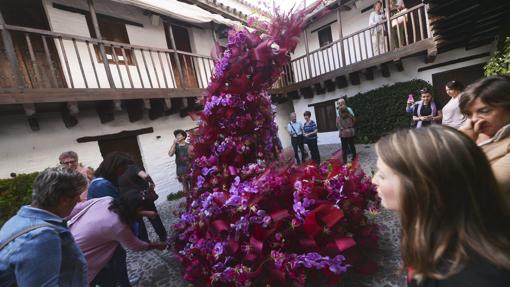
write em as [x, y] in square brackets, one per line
[150, 194]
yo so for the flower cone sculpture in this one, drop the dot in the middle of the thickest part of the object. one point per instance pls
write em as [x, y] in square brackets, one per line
[251, 221]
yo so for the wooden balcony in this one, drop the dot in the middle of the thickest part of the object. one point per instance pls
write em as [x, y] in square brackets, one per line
[46, 66]
[407, 34]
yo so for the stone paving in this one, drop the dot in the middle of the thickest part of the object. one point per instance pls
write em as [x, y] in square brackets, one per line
[161, 268]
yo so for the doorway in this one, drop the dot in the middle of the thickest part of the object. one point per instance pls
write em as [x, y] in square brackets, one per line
[127, 145]
[465, 75]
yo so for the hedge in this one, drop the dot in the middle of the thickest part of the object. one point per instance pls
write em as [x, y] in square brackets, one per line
[15, 192]
[382, 110]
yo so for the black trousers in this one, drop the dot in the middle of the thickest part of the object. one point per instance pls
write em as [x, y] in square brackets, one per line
[115, 272]
[348, 144]
[314, 150]
[155, 222]
[297, 142]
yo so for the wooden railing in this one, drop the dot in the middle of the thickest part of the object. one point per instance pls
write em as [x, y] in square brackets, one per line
[56, 60]
[400, 30]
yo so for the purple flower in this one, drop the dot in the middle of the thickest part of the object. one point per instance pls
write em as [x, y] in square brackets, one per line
[218, 249]
[266, 221]
[241, 225]
[200, 181]
[337, 266]
[234, 201]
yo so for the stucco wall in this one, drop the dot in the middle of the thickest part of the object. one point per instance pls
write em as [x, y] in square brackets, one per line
[23, 150]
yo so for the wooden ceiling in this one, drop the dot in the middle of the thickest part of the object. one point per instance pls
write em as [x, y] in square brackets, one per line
[468, 23]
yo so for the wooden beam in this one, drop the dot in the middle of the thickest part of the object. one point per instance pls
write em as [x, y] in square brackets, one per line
[431, 55]
[354, 78]
[51, 95]
[399, 65]
[369, 73]
[319, 90]
[329, 85]
[122, 134]
[341, 82]
[307, 92]
[385, 70]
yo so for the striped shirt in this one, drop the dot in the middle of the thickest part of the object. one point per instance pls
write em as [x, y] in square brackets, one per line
[310, 127]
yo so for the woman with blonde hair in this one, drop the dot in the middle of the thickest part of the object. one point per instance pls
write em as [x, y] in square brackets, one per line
[455, 222]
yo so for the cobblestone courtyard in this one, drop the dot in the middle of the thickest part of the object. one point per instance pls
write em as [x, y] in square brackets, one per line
[156, 268]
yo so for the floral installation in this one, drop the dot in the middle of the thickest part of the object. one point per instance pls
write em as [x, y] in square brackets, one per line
[252, 220]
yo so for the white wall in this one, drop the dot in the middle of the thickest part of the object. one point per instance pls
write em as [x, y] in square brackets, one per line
[24, 151]
[147, 36]
[411, 66]
[282, 119]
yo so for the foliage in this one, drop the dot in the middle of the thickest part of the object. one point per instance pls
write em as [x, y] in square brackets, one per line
[499, 64]
[175, 196]
[382, 110]
[15, 192]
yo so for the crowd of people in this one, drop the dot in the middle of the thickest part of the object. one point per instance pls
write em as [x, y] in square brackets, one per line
[75, 231]
[449, 182]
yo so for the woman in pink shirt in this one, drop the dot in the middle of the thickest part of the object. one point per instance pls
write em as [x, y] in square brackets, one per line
[99, 225]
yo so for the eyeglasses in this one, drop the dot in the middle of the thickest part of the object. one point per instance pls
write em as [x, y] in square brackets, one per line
[68, 162]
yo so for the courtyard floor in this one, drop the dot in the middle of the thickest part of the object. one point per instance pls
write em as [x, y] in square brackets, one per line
[161, 268]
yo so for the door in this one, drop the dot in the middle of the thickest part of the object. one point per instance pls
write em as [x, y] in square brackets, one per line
[466, 76]
[123, 144]
[182, 43]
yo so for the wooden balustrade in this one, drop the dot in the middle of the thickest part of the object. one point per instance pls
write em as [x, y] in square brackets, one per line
[407, 27]
[58, 60]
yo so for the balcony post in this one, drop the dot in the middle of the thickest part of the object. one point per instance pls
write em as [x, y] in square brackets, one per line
[307, 54]
[176, 57]
[340, 33]
[387, 3]
[93, 16]
[11, 54]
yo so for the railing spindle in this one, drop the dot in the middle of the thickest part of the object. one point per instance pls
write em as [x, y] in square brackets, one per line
[413, 26]
[92, 62]
[162, 69]
[80, 64]
[154, 68]
[146, 68]
[50, 62]
[64, 54]
[420, 22]
[138, 67]
[365, 42]
[406, 36]
[38, 79]
[360, 47]
[398, 34]
[127, 66]
[169, 62]
[116, 61]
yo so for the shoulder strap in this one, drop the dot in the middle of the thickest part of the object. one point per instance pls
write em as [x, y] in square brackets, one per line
[290, 123]
[23, 231]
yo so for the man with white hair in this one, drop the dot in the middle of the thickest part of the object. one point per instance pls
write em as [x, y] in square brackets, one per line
[295, 130]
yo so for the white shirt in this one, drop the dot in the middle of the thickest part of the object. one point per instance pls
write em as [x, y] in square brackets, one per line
[376, 18]
[451, 114]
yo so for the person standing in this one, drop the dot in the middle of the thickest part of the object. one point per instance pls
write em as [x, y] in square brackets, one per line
[487, 106]
[36, 247]
[345, 125]
[453, 215]
[451, 112]
[376, 20]
[70, 160]
[310, 135]
[426, 111]
[295, 130]
[181, 149]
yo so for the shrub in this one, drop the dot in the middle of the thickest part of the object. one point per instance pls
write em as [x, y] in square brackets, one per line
[499, 64]
[15, 192]
[382, 110]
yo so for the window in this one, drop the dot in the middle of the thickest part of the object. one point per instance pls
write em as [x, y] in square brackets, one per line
[325, 37]
[325, 114]
[115, 31]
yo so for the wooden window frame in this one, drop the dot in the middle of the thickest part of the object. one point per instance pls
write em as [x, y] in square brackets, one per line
[324, 33]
